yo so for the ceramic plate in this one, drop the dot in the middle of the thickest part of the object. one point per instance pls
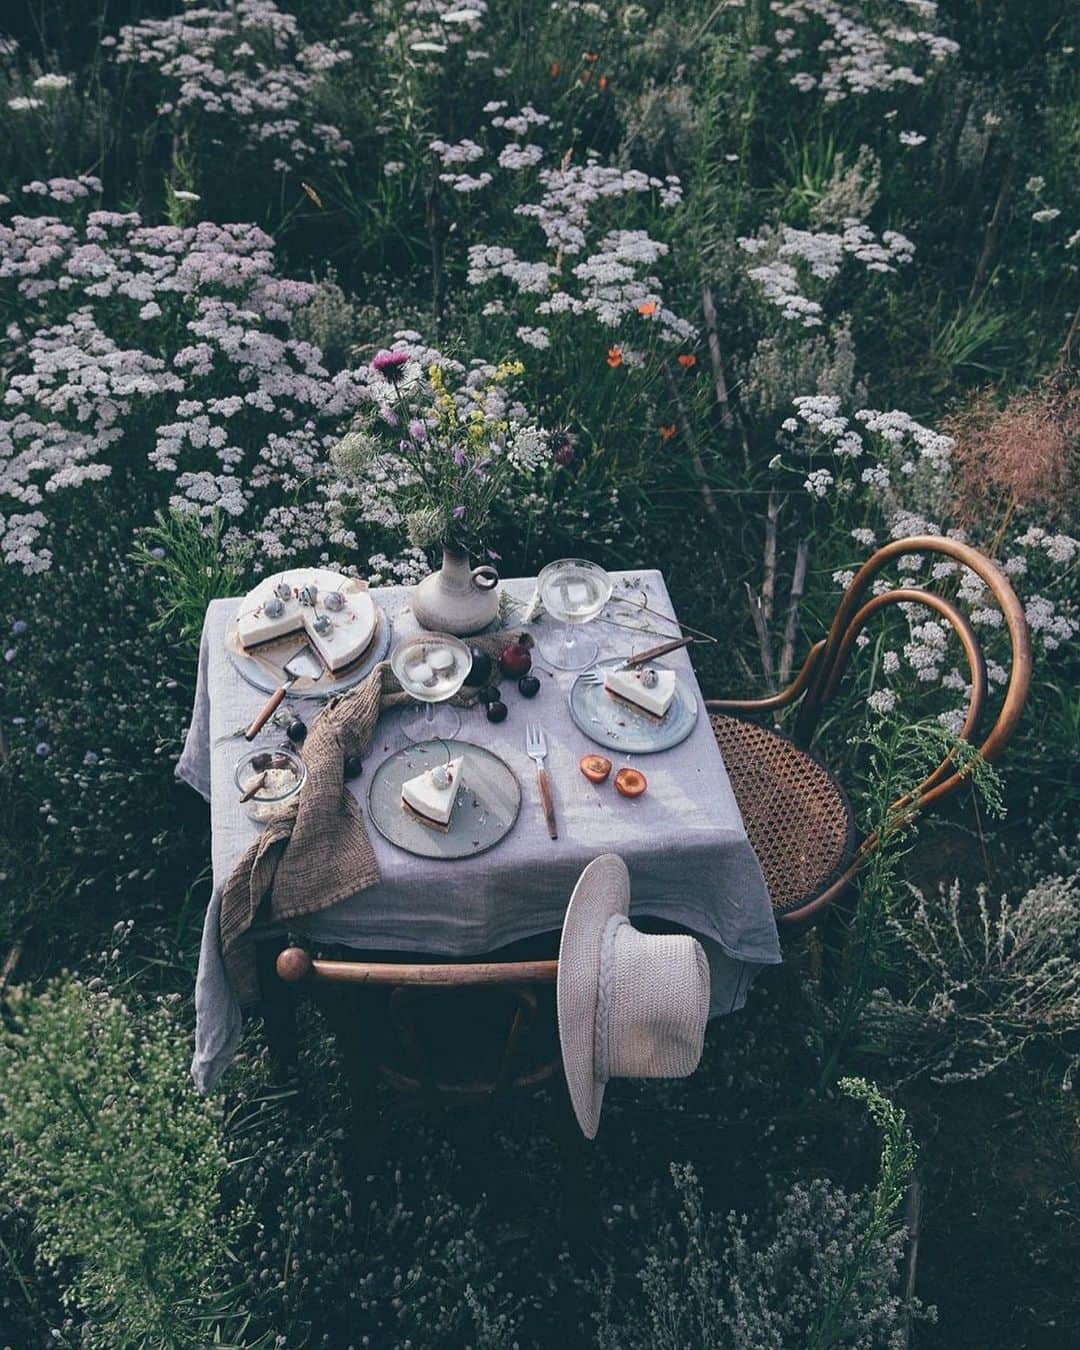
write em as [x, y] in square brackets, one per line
[616, 726]
[487, 806]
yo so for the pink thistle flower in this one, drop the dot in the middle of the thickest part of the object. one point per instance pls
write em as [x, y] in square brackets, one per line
[390, 365]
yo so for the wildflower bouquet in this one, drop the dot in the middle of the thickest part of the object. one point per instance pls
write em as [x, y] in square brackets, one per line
[443, 454]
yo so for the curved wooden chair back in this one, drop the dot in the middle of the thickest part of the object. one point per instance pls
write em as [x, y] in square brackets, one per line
[818, 680]
[407, 984]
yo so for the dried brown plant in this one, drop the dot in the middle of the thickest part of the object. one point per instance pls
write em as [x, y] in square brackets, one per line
[1020, 456]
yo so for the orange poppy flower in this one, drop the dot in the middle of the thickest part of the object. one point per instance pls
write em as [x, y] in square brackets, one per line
[602, 81]
[686, 361]
[649, 307]
[554, 69]
[614, 357]
[591, 56]
[667, 432]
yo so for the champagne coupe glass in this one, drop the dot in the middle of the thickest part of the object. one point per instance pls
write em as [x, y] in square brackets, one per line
[574, 591]
[431, 667]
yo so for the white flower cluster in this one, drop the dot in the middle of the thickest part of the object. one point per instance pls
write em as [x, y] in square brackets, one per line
[429, 28]
[234, 414]
[247, 63]
[862, 52]
[822, 254]
[64, 190]
[588, 270]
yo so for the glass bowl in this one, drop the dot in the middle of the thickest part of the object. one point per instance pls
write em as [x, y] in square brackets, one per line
[287, 774]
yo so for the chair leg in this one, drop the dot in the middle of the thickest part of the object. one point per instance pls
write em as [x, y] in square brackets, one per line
[278, 1004]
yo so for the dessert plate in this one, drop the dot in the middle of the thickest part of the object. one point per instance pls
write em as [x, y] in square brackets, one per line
[487, 806]
[617, 726]
[263, 667]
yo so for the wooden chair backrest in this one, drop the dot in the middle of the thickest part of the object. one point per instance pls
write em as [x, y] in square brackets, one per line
[818, 680]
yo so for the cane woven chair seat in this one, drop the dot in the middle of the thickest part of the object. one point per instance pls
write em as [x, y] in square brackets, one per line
[796, 814]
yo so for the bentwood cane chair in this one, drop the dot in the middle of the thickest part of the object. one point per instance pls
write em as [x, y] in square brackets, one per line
[795, 812]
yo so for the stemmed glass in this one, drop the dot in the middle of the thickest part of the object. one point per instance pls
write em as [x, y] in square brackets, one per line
[431, 667]
[574, 591]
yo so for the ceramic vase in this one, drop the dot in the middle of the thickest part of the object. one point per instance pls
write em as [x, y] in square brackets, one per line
[457, 599]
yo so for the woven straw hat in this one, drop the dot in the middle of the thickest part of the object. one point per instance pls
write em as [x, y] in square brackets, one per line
[630, 1004]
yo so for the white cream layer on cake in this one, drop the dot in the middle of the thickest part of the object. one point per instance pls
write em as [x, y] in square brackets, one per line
[433, 793]
[649, 688]
[296, 601]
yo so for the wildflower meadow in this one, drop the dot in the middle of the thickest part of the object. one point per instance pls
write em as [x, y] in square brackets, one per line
[737, 289]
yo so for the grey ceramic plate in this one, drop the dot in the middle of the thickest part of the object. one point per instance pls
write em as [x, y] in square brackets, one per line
[487, 807]
[616, 726]
[263, 666]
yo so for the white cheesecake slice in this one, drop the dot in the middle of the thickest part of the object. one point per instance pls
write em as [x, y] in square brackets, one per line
[431, 795]
[340, 631]
[648, 688]
[263, 621]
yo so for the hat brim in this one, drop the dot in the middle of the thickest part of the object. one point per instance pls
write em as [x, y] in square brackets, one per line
[602, 890]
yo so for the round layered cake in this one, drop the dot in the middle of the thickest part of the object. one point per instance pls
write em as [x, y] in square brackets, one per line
[334, 612]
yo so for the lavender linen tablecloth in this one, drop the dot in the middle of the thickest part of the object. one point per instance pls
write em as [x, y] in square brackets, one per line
[684, 842]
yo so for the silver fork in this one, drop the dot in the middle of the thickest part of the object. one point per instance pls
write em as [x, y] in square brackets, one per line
[536, 749]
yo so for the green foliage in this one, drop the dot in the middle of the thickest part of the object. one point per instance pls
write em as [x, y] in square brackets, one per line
[822, 1275]
[899, 756]
[118, 1165]
[186, 556]
[982, 988]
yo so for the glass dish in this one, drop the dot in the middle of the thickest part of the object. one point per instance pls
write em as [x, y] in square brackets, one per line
[286, 773]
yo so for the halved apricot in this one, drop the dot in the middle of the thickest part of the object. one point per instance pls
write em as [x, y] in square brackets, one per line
[630, 782]
[595, 767]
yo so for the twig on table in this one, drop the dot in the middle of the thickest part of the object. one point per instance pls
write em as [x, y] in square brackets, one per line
[696, 461]
[798, 589]
[762, 636]
[642, 606]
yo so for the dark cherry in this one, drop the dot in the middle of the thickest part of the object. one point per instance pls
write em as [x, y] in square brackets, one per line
[528, 686]
[496, 712]
[482, 664]
[489, 694]
[354, 766]
[296, 731]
